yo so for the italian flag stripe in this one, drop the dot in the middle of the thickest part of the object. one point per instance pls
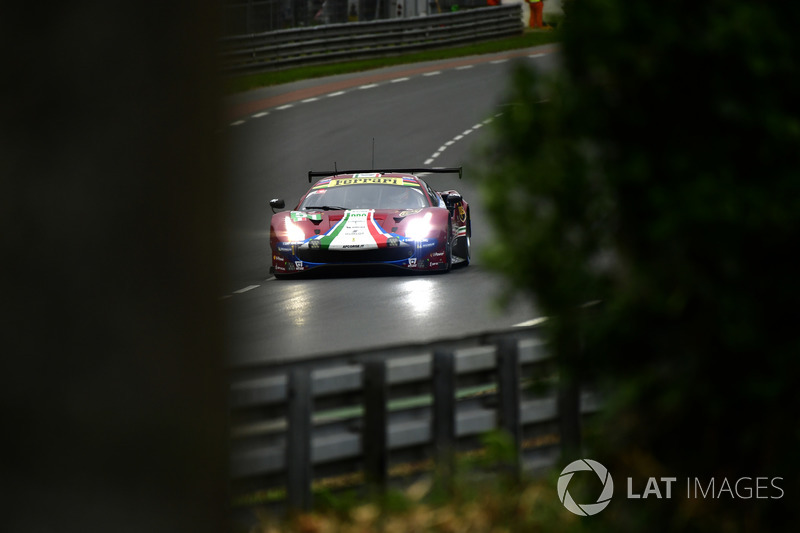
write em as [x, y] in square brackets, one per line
[375, 229]
[332, 233]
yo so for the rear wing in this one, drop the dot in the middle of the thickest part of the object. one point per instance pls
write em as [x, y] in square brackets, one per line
[434, 170]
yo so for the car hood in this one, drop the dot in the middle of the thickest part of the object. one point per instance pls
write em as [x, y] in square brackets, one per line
[346, 229]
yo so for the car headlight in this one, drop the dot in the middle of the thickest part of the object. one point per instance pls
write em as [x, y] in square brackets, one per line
[294, 233]
[419, 228]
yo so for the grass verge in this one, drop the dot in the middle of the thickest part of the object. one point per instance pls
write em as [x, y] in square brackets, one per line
[528, 39]
[482, 497]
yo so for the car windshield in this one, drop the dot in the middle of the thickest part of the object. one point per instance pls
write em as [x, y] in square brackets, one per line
[365, 196]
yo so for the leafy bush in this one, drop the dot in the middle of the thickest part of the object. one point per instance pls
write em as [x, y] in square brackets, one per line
[659, 172]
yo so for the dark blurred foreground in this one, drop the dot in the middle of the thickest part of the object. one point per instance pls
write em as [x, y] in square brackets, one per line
[660, 174]
[111, 208]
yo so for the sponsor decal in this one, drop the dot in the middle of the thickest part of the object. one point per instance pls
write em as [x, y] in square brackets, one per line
[408, 212]
[300, 216]
[299, 265]
[462, 214]
[277, 259]
[365, 179]
[412, 262]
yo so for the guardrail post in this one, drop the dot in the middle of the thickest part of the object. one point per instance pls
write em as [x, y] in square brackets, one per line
[444, 415]
[298, 440]
[374, 439]
[509, 397]
[569, 399]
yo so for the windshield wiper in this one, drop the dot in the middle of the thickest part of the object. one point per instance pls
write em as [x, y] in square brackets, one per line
[325, 207]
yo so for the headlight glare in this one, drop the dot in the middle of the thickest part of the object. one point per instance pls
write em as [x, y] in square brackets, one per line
[293, 232]
[419, 228]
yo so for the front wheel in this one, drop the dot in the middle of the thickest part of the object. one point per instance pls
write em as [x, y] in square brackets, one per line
[463, 246]
[448, 249]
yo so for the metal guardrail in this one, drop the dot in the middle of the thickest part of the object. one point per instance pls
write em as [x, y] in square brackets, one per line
[332, 43]
[369, 413]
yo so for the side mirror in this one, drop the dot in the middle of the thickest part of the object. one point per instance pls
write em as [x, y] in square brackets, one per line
[451, 200]
[277, 203]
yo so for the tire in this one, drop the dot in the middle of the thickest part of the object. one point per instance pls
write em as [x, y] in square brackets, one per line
[463, 247]
[448, 248]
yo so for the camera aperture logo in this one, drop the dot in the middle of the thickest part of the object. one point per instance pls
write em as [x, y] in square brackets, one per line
[585, 509]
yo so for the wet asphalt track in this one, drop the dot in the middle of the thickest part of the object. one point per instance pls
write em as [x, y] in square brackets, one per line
[435, 114]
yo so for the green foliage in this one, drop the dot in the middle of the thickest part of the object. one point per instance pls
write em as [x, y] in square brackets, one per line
[659, 172]
[477, 500]
[499, 449]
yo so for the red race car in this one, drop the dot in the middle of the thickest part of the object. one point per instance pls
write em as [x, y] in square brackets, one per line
[371, 217]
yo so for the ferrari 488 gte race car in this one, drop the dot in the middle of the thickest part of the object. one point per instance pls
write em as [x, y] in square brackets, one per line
[371, 217]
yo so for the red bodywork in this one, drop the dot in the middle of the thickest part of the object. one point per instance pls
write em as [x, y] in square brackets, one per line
[419, 238]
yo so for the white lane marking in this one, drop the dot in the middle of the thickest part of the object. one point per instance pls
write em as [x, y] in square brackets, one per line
[458, 138]
[373, 85]
[534, 322]
[248, 288]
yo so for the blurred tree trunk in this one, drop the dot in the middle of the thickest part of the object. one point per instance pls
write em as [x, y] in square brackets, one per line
[110, 207]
